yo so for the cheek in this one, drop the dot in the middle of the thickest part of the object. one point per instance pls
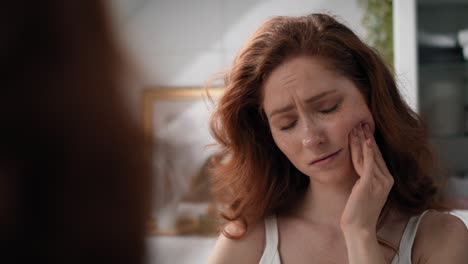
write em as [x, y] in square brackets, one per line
[365, 116]
[286, 143]
[351, 119]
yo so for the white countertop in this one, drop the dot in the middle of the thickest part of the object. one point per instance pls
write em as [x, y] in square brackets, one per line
[179, 249]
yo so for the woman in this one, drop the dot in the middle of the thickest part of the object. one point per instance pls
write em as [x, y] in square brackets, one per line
[74, 172]
[324, 161]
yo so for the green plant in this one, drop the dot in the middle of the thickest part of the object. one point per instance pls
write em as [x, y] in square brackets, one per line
[378, 21]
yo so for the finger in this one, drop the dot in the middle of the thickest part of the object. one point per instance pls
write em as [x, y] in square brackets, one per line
[356, 150]
[375, 172]
[367, 152]
[361, 137]
[379, 174]
[370, 142]
[373, 143]
[376, 176]
[382, 184]
[381, 164]
[378, 156]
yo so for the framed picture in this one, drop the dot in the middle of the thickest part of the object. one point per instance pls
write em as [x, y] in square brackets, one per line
[178, 121]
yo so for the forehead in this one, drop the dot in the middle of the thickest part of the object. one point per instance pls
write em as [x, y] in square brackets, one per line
[300, 77]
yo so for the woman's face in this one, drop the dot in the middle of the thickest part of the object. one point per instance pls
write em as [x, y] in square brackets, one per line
[311, 111]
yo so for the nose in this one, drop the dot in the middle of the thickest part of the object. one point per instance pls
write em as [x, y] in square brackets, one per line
[313, 136]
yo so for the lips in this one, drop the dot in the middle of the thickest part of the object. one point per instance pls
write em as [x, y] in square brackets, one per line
[325, 157]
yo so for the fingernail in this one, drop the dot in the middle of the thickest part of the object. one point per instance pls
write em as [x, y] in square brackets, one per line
[367, 127]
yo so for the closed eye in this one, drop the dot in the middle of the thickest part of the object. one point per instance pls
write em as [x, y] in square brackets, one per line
[288, 126]
[327, 111]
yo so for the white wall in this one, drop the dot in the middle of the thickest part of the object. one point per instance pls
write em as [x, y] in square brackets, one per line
[405, 50]
[184, 42]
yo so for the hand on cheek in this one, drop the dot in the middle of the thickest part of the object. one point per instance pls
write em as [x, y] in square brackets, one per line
[371, 190]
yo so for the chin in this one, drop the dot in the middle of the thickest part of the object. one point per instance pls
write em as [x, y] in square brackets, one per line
[330, 175]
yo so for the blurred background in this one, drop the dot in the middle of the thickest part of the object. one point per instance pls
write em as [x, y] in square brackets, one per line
[179, 45]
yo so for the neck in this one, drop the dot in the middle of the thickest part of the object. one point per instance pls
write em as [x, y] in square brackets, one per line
[324, 203]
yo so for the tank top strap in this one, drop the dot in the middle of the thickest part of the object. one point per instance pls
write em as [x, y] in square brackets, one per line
[407, 240]
[270, 253]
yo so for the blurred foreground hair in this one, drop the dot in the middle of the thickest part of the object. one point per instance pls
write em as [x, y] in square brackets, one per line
[74, 172]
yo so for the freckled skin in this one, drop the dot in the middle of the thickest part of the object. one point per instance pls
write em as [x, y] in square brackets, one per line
[305, 132]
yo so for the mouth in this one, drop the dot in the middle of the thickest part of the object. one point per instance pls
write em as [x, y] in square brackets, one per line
[325, 158]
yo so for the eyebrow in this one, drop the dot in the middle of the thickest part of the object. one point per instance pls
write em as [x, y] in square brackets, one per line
[307, 101]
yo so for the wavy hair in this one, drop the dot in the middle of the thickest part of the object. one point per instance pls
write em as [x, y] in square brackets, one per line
[254, 178]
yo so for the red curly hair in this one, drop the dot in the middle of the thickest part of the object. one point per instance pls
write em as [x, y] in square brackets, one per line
[254, 178]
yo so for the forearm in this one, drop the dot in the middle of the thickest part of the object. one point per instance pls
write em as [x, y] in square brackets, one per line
[363, 248]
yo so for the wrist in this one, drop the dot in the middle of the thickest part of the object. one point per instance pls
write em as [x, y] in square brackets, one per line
[362, 246]
[361, 234]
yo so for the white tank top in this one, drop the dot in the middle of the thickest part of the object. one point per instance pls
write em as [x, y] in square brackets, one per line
[271, 253]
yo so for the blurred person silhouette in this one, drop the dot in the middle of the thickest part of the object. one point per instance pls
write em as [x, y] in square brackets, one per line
[74, 171]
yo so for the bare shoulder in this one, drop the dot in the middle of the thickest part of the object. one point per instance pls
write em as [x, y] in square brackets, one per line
[441, 238]
[247, 249]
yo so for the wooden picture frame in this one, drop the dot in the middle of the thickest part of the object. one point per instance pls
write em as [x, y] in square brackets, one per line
[171, 93]
[177, 120]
